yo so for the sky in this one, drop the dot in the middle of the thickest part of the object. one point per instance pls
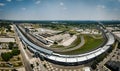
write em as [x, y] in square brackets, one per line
[60, 9]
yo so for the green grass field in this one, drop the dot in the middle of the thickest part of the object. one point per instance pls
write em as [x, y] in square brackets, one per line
[90, 44]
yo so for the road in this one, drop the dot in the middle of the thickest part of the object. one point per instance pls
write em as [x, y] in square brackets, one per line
[23, 53]
[101, 64]
[96, 37]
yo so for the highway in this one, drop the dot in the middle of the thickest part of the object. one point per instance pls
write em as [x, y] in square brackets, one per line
[23, 53]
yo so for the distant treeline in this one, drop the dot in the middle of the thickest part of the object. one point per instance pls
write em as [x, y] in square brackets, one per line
[57, 22]
[5, 24]
[62, 21]
[110, 22]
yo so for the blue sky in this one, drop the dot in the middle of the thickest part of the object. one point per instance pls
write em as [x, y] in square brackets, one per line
[60, 9]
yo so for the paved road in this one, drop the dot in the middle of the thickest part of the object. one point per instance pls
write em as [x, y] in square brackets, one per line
[30, 55]
[23, 53]
[96, 37]
[8, 68]
[101, 64]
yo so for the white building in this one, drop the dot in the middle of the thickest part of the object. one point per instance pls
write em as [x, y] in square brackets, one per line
[7, 40]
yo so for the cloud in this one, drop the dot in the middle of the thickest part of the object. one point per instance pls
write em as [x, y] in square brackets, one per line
[61, 3]
[19, 0]
[2, 4]
[65, 8]
[37, 2]
[23, 8]
[8, 0]
[101, 7]
[118, 0]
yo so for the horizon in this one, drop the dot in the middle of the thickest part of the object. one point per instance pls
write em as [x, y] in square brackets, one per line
[56, 20]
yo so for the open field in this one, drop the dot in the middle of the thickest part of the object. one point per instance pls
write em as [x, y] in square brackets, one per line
[90, 44]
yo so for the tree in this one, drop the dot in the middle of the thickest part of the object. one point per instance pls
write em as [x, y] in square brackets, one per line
[11, 44]
[14, 70]
[32, 66]
[6, 56]
[72, 33]
[55, 42]
[6, 25]
[15, 52]
[9, 28]
[119, 46]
